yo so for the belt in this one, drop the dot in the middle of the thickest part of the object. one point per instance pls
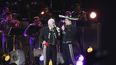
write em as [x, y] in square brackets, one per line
[67, 42]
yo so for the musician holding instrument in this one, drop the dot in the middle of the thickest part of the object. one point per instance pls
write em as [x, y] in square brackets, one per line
[32, 31]
[6, 25]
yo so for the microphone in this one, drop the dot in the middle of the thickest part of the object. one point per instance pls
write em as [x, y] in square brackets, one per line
[58, 29]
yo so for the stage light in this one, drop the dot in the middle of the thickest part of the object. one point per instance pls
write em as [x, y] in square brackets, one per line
[90, 49]
[7, 57]
[93, 15]
[42, 12]
[79, 63]
[50, 62]
[41, 58]
[80, 60]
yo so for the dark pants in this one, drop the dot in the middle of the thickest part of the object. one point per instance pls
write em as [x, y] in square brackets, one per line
[66, 54]
[7, 43]
[51, 53]
[32, 42]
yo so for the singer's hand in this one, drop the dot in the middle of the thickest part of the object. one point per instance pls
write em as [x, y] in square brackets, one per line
[63, 27]
[45, 43]
[58, 29]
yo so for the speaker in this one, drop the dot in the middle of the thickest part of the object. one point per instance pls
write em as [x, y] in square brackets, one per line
[17, 57]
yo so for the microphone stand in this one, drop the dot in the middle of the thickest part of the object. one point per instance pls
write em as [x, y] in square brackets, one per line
[25, 31]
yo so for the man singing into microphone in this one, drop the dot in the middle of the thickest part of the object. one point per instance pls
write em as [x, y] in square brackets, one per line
[49, 37]
[68, 35]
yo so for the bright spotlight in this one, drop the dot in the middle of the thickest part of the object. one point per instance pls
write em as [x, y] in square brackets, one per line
[90, 49]
[79, 63]
[50, 62]
[81, 58]
[93, 15]
[41, 58]
[7, 57]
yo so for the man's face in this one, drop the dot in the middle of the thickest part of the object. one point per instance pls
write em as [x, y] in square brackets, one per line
[36, 20]
[67, 21]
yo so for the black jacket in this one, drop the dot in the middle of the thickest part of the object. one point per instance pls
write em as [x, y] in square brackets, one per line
[68, 35]
[49, 36]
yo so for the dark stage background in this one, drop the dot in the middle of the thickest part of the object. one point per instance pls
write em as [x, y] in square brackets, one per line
[106, 10]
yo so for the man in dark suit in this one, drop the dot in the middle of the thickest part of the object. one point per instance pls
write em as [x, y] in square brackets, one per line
[68, 37]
